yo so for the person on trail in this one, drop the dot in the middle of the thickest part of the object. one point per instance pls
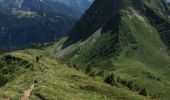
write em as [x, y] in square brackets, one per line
[37, 58]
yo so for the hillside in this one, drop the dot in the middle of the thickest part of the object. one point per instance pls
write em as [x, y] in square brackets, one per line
[24, 29]
[83, 5]
[27, 23]
[129, 38]
[118, 50]
[53, 7]
[23, 78]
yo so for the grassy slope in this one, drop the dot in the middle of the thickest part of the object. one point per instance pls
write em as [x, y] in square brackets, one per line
[150, 57]
[58, 82]
[143, 55]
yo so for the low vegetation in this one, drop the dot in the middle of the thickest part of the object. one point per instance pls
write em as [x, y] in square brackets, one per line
[53, 80]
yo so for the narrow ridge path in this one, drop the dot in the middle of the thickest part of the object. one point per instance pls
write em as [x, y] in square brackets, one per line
[26, 94]
[5, 98]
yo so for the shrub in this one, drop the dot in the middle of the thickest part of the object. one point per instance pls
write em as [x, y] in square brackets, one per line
[110, 79]
[143, 92]
[88, 69]
[123, 82]
[3, 80]
[92, 74]
[131, 85]
[89, 87]
[118, 79]
[68, 64]
[101, 73]
[76, 67]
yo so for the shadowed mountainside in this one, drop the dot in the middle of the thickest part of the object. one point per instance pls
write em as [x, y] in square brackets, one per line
[129, 38]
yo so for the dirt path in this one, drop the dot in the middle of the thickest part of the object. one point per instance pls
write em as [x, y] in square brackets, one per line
[26, 94]
[5, 98]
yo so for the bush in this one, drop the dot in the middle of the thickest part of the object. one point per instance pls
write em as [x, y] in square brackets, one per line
[92, 74]
[118, 79]
[68, 64]
[101, 73]
[110, 79]
[131, 85]
[143, 92]
[3, 80]
[88, 69]
[89, 87]
[76, 67]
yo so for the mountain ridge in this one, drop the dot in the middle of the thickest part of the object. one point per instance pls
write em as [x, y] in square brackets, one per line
[133, 39]
[138, 5]
[119, 49]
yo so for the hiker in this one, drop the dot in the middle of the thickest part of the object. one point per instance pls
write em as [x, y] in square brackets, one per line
[37, 58]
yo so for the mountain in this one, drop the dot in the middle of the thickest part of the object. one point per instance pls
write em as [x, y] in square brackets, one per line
[129, 38]
[50, 6]
[26, 29]
[53, 7]
[98, 22]
[118, 50]
[81, 4]
[26, 23]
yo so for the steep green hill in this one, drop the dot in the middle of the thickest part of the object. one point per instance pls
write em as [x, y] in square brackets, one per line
[129, 38]
[21, 76]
